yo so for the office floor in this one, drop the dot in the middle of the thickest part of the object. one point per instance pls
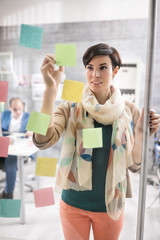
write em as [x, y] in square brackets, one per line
[44, 223]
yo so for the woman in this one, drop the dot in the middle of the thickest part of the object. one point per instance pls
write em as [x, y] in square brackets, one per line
[95, 181]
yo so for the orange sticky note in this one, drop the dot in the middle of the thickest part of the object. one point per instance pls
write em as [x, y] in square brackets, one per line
[46, 166]
[3, 91]
[44, 197]
[4, 144]
[72, 90]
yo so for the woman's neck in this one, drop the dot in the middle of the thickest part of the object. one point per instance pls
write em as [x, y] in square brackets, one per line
[102, 97]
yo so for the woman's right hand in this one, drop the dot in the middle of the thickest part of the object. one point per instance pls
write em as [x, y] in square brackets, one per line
[52, 77]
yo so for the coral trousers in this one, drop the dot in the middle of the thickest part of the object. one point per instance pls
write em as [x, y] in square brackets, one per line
[76, 224]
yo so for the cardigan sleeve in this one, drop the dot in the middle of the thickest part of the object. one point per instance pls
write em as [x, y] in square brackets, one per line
[135, 116]
[59, 125]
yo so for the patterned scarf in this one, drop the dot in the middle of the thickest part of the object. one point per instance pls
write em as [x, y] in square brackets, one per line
[75, 170]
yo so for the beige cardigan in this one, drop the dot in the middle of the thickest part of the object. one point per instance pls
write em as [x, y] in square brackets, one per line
[60, 123]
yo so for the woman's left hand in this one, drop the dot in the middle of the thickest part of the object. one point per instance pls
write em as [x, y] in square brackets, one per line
[153, 122]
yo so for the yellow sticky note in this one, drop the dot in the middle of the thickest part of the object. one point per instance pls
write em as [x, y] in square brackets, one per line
[46, 166]
[72, 90]
[92, 138]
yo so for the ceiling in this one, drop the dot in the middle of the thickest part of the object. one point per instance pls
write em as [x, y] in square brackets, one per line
[85, 7]
[8, 6]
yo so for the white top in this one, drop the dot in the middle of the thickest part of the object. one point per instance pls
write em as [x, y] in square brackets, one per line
[15, 124]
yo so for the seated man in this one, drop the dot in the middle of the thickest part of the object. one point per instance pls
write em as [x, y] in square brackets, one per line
[13, 120]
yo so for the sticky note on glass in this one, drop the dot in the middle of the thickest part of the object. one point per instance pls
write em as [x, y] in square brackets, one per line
[10, 208]
[31, 36]
[92, 138]
[2, 106]
[4, 144]
[44, 197]
[46, 166]
[72, 90]
[38, 122]
[3, 91]
[65, 54]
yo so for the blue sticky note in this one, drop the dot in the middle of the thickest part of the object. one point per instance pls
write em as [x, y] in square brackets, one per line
[31, 36]
[10, 208]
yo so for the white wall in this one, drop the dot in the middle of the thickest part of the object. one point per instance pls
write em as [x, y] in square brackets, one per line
[16, 12]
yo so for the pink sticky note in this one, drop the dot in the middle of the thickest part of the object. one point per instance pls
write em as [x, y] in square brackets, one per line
[3, 91]
[44, 197]
[4, 144]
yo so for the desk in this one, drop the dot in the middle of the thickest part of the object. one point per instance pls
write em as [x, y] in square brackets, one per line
[21, 147]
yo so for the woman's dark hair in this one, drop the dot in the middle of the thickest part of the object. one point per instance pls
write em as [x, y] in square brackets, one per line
[102, 49]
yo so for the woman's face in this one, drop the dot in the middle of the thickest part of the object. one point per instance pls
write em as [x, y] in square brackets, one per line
[99, 73]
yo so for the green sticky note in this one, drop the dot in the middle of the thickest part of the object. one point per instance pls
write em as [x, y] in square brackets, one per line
[72, 90]
[31, 36]
[10, 208]
[92, 138]
[65, 54]
[38, 122]
[1, 106]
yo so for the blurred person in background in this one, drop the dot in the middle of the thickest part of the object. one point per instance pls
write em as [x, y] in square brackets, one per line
[13, 120]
